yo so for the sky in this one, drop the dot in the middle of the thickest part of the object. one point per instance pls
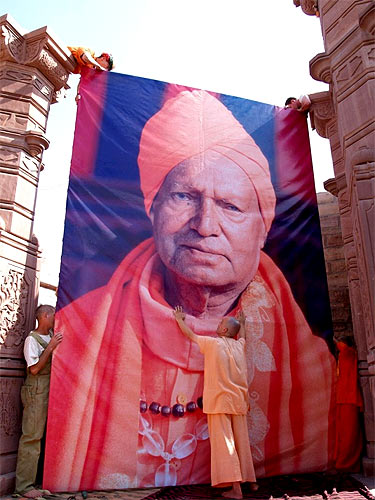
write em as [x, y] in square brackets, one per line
[254, 49]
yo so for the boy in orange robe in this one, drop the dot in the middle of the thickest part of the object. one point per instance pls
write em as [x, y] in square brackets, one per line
[226, 402]
[349, 404]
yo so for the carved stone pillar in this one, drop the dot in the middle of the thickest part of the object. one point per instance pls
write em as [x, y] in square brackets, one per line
[34, 68]
[345, 115]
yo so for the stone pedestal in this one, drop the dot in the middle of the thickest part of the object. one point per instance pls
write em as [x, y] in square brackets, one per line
[345, 115]
[34, 69]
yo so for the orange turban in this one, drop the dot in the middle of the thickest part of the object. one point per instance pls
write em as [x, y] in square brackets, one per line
[190, 124]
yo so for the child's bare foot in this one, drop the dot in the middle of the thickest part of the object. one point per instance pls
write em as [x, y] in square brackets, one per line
[231, 494]
[234, 492]
[32, 494]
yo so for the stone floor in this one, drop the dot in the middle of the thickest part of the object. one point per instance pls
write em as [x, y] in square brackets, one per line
[293, 487]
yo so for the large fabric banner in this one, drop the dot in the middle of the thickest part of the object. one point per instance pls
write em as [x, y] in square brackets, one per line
[180, 196]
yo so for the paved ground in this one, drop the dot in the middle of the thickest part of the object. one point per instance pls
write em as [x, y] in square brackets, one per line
[297, 487]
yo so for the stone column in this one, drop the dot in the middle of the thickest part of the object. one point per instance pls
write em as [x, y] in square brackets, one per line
[345, 115]
[34, 69]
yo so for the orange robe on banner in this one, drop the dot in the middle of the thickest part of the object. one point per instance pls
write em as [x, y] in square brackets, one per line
[349, 439]
[124, 345]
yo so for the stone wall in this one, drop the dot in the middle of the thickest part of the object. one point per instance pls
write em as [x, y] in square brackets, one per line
[337, 275]
[345, 115]
[34, 69]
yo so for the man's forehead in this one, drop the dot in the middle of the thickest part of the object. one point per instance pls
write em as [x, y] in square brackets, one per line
[223, 176]
[206, 167]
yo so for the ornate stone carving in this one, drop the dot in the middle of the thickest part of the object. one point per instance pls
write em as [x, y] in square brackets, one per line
[19, 76]
[42, 87]
[33, 49]
[13, 299]
[309, 7]
[10, 414]
[14, 43]
[11, 120]
[59, 95]
[8, 155]
[52, 69]
[37, 49]
[348, 70]
[321, 112]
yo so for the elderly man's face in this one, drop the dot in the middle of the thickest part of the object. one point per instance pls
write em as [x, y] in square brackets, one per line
[207, 225]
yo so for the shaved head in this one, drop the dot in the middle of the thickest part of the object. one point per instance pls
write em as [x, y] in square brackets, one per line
[228, 327]
[44, 309]
[233, 326]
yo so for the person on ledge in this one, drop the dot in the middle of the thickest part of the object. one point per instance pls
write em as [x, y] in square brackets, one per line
[301, 104]
[226, 402]
[86, 57]
[38, 349]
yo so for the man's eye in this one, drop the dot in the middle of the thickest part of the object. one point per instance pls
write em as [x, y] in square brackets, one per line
[181, 196]
[232, 208]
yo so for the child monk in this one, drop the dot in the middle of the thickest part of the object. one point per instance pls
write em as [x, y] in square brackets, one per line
[226, 402]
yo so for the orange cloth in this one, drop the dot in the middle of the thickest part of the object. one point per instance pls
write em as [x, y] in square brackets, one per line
[193, 123]
[226, 401]
[349, 439]
[106, 334]
[77, 53]
[231, 459]
[225, 387]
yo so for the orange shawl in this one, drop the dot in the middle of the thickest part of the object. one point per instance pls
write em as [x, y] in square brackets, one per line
[96, 378]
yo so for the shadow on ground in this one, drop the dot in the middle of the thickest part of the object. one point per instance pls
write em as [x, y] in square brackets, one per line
[320, 486]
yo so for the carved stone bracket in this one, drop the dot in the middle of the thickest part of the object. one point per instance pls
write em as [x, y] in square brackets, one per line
[331, 186]
[321, 112]
[320, 68]
[37, 142]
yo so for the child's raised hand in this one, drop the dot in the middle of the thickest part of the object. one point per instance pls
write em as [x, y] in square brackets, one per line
[179, 313]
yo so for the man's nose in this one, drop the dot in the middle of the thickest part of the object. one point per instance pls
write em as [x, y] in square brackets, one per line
[206, 220]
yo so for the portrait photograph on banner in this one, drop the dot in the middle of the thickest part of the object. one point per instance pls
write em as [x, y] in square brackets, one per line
[185, 197]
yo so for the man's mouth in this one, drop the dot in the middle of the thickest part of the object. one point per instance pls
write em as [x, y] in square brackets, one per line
[203, 252]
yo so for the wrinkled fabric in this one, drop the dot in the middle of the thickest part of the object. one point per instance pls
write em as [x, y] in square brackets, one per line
[231, 459]
[95, 429]
[225, 375]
